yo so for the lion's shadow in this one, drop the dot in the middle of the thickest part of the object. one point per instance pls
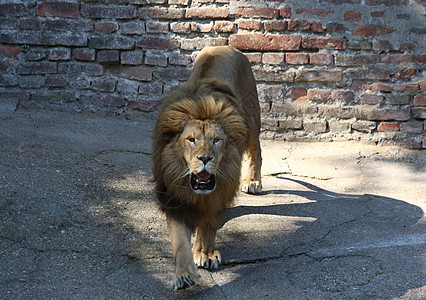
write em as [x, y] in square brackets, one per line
[335, 236]
[322, 214]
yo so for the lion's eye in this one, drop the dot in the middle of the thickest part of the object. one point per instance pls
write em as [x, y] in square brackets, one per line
[216, 140]
[191, 140]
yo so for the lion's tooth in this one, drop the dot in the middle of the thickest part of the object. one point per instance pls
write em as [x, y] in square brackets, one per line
[208, 181]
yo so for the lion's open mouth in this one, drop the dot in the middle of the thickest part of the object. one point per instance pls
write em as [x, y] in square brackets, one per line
[203, 181]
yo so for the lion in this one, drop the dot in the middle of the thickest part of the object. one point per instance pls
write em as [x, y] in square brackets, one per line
[201, 134]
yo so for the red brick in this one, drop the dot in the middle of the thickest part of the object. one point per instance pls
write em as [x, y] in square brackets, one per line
[297, 93]
[372, 30]
[31, 68]
[397, 59]
[59, 54]
[133, 58]
[104, 84]
[200, 43]
[420, 100]
[58, 9]
[381, 87]
[412, 143]
[285, 12]
[180, 59]
[367, 74]
[312, 42]
[106, 27]
[157, 43]
[397, 99]
[172, 74]
[390, 114]
[249, 24]
[411, 127]
[318, 95]
[13, 10]
[9, 50]
[356, 60]
[155, 59]
[267, 75]
[85, 54]
[181, 27]
[201, 27]
[157, 27]
[224, 26]
[133, 28]
[273, 58]
[343, 96]
[260, 42]
[30, 24]
[352, 16]
[386, 2]
[207, 12]
[22, 96]
[8, 80]
[296, 25]
[321, 59]
[336, 28]
[419, 112]
[136, 73]
[297, 58]
[372, 99]
[55, 81]
[405, 87]
[149, 88]
[161, 13]
[144, 105]
[405, 73]
[275, 25]
[254, 58]
[115, 12]
[257, 12]
[423, 85]
[103, 100]
[388, 126]
[108, 56]
[111, 42]
[319, 12]
[317, 27]
[319, 75]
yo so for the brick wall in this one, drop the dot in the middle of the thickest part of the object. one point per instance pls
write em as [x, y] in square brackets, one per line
[326, 69]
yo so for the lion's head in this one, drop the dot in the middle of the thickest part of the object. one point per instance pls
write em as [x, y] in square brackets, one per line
[198, 148]
[203, 143]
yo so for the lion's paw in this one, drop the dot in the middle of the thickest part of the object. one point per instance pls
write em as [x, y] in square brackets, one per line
[210, 261]
[251, 187]
[185, 280]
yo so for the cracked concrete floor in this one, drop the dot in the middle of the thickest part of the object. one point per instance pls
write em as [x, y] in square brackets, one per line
[78, 220]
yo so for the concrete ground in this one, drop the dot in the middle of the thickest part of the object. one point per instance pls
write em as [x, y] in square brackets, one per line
[78, 218]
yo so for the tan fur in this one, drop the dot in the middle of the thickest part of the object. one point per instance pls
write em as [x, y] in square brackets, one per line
[216, 115]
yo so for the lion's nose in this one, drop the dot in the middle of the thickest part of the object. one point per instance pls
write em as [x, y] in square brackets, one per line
[205, 159]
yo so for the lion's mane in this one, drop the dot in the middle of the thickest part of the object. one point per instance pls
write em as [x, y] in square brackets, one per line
[206, 101]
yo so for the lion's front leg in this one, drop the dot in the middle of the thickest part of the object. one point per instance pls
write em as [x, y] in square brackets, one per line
[186, 271]
[205, 254]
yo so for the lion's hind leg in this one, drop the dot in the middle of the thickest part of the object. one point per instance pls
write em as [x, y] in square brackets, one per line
[186, 271]
[252, 181]
[205, 254]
